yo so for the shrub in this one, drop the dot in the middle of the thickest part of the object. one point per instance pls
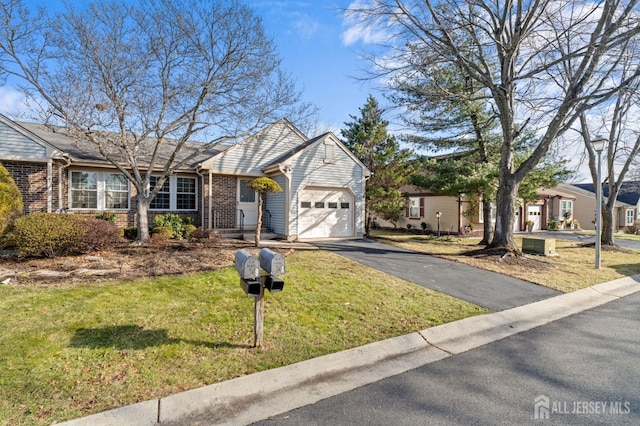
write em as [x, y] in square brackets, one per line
[189, 230]
[98, 235]
[130, 232]
[109, 217]
[173, 221]
[201, 234]
[167, 231]
[10, 200]
[47, 234]
[159, 239]
[409, 226]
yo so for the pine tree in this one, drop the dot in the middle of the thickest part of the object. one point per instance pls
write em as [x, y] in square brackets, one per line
[10, 199]
[366, 136]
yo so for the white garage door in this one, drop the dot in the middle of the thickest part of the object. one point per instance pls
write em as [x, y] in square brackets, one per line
[324, 213]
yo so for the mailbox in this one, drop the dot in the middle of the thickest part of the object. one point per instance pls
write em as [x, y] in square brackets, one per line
[247, 265]
[251, 287]
[271, 261]
[273, 284]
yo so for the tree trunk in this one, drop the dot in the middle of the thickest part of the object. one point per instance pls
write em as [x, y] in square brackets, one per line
[505, 214]
[367, 222]
[143, 219]
[487, 227]
[608, 223]
[259, 224]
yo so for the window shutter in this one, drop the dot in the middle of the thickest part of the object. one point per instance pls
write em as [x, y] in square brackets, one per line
[421, 206]
[408, 208]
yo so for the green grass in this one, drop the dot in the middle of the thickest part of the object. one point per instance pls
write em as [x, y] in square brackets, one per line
[572, 268]
[70, 351]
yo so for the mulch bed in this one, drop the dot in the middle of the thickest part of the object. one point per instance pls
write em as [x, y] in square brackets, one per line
[127, 261]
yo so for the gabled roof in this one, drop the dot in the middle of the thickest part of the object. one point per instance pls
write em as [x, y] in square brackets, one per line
[300, 149]
[629, 191]
[52, 151]
[544, 192]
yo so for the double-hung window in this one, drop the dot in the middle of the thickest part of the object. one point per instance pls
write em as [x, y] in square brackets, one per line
[566, 209]
[630, 217]
[177, 193]
[414, 207]
[162, 200]
[98, 190]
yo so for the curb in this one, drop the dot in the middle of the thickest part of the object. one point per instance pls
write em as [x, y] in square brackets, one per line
[266, 394]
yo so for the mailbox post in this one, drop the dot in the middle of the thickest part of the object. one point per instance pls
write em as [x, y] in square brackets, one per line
[256, 274]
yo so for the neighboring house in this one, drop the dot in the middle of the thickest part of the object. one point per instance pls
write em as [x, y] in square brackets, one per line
[627, 202]
[555, 208]
[323, 182]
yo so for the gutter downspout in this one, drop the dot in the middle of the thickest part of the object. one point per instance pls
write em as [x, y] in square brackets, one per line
[364, 201]
[60, 180]
[286, 172]
[198, 172]
[49, 185]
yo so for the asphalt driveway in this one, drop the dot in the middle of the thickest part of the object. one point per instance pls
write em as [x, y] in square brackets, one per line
[485, 288]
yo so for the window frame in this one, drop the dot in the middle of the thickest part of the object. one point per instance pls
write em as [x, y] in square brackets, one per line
[412, 207]
[626, 217]
[172, 181]
[100, 190]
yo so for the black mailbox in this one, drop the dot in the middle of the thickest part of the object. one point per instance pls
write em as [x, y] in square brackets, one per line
[251, 287]
[273, 284]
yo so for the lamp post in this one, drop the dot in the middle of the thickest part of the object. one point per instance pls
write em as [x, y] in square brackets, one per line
[598, 146]
[438, 216]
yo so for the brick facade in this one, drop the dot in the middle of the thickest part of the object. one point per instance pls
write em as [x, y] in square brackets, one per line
[31, 179]
[224, 201]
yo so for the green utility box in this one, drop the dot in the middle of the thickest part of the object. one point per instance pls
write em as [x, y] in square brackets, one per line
[543, 246]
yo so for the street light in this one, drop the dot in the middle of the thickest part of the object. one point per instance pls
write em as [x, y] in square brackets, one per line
[438, 216]
[598, 145]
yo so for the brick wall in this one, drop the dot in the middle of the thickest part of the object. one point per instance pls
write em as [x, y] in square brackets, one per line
[31, 179]
[224, 194]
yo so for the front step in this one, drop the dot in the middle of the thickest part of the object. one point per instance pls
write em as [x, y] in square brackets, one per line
[251, 236]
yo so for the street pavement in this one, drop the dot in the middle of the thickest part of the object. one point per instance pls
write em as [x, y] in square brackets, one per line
[581, 370]
[484, 288]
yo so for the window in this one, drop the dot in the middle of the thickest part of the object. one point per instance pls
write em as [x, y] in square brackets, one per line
[116, 192]
[305, 204]
[162, 200]
[566, 209]
[492, 213]
[98, 191]
[319, 205]
[630, 217]
[414, 207]
[344, 205]
[177, 193]
[186, 193]
[333, 205]
[328, 151]
[247, 195]
[84, 190]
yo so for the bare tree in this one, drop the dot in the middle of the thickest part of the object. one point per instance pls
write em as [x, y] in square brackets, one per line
[537, 65]
[617, 122]
[138, 80]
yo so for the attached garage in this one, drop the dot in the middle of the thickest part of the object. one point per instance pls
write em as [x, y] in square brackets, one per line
[326, 213]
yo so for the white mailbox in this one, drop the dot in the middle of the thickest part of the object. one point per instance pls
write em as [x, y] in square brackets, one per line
[247, 265]
[271, 262]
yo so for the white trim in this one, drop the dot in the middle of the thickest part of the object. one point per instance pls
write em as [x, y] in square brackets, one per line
[173, 195]
[100, 190]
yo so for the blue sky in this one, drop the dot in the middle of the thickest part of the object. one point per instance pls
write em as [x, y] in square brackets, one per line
[309, 38]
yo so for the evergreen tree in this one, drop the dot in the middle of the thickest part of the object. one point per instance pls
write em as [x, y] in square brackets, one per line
[10, 199]
[366, 136]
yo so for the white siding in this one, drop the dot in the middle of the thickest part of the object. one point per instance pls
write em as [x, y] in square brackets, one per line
[310, 169]
[16, 146]
[248, 158]
[276, 204]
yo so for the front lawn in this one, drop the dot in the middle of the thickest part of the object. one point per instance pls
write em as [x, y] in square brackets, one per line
[71, 350]
[572, 268]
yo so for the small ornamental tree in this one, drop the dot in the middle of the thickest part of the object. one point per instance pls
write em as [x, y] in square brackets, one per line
[262, 185]
[10, 199]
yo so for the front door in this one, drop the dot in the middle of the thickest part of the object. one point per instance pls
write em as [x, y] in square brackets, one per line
[247, 204]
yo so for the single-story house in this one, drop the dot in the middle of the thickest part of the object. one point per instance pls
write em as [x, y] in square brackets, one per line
[566, 206]
[323, 182]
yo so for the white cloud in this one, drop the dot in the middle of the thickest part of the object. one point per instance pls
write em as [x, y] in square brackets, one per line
[305, 26]
[12, 102]
[358, 29]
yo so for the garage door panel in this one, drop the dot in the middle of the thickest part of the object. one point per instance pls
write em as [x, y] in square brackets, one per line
[325, 213]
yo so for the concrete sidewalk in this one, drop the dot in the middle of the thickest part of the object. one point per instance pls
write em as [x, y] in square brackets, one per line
[262, 395]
